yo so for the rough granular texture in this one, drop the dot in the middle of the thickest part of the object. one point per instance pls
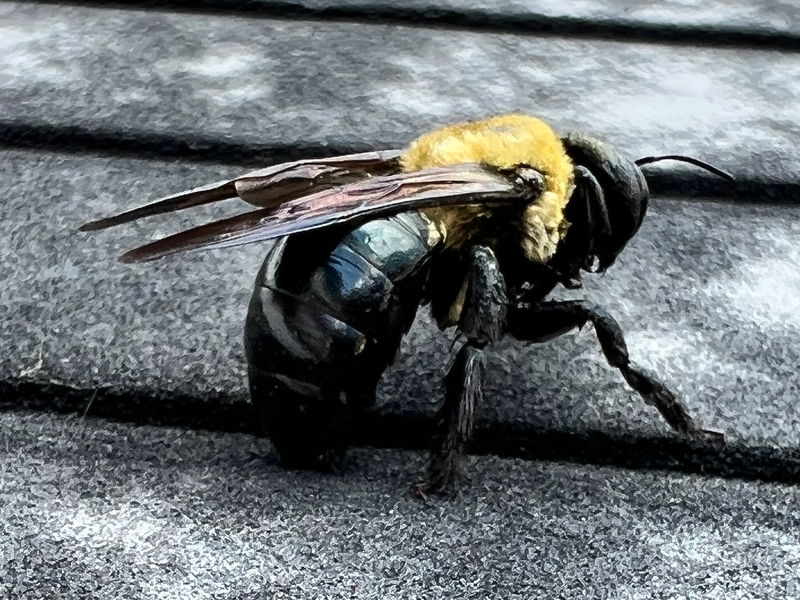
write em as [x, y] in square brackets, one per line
[107, 511]
[176, 82]
[128, 463]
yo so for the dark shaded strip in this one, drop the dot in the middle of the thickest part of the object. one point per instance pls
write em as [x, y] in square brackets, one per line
[412, 431]
[744, 190]
[469, 20]
[72, 139]
[731, 460]
[213, 413]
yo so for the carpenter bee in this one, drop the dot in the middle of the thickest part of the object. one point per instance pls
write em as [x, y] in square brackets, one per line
[480, 221]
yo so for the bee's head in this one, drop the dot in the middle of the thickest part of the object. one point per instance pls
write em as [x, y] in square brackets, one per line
[609, 202]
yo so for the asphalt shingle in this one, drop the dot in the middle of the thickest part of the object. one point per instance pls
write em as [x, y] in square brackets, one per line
[152, 484]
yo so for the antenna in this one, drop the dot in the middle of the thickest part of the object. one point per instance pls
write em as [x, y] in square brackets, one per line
[687, 159]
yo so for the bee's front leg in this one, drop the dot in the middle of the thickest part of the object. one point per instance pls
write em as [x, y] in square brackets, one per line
[547, 320]
[482, 322]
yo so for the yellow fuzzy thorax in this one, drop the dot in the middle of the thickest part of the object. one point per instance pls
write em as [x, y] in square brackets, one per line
[502, 142]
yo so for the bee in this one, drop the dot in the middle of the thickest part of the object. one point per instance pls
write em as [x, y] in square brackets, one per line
[479, 221]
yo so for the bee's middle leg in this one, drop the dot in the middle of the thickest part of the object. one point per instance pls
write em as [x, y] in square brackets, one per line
[481, 322]
[547, 320]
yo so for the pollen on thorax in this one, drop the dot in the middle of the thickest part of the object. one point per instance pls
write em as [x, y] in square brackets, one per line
[503, 142]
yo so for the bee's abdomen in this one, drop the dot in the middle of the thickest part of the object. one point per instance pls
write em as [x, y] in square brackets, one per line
[325, 320]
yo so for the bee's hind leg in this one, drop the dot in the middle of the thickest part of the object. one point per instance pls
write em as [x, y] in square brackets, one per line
[455, 419]
[481, 322]
[547, 320]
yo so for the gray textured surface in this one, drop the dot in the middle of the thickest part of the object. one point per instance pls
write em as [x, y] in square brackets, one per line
[271, 82]
[109, 511]
[709, 294]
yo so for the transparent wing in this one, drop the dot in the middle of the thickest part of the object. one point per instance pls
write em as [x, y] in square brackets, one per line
[270, 186]
[460, 184]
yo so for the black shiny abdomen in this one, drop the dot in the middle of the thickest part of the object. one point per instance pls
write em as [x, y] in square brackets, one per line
[326, 318]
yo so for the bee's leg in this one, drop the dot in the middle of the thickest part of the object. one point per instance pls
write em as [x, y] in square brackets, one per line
[455, 418]
[547, 320]
[481, 322]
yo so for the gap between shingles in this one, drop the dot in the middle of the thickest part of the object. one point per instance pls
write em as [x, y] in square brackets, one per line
[736, 460]
[71, 139]
[518, 22]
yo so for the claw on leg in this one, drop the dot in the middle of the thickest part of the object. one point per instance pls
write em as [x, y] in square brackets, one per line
[671, 408]
[420, 490]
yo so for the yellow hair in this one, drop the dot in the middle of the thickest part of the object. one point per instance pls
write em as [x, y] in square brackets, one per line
[502, 142]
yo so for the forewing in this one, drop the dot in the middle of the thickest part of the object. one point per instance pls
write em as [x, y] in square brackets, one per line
[272, 186]
[460, 184]
[268, 187]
